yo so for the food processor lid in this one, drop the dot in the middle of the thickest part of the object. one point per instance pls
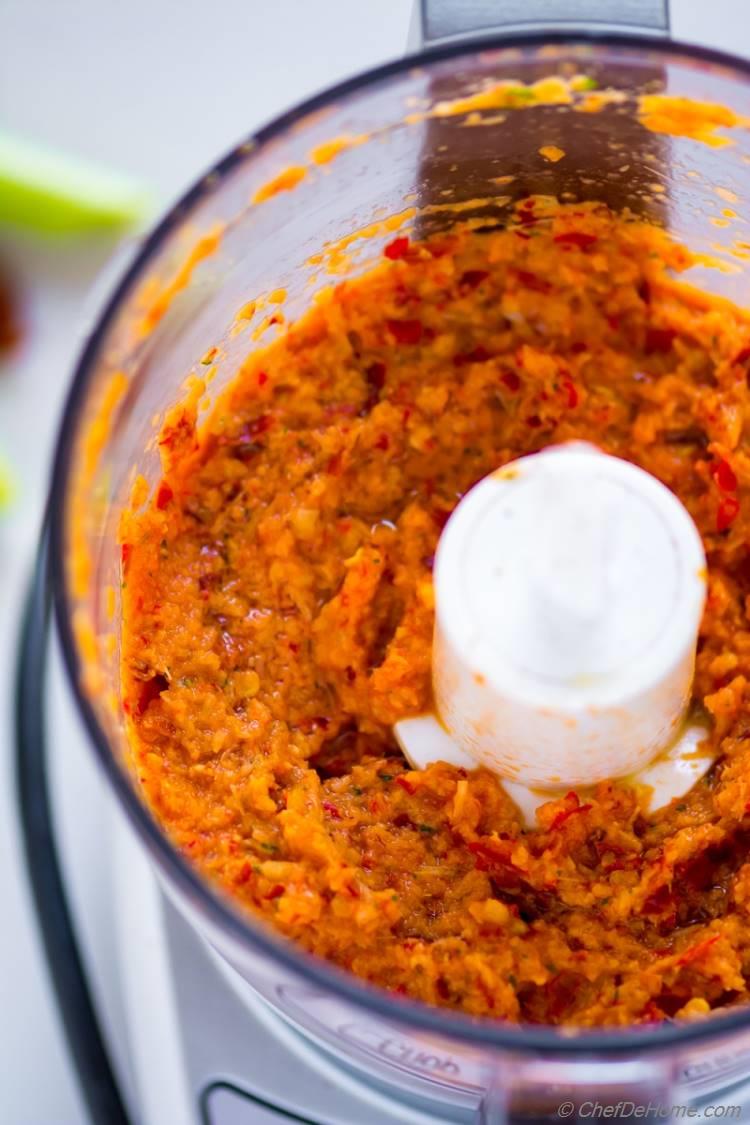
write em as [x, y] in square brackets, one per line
[218, 914]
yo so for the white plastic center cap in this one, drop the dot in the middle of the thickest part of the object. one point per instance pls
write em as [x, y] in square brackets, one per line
[569, 588]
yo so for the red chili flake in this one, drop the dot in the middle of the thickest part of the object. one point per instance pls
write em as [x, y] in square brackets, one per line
[150, 690]
[375, 380]
[262, 378]
[522, 234]
[406, 784]
[511, 380]
[534, 422]
[331, 810]
[565, 814]
[126, 551]
[470, 279]
[440, 516]
[333, 468]
[660, 901]
[490, 855]
[724, 475]
[258, 426]
[405, 331]
[659, 340]
[294, 647]
[531, 281]
[742, 356]
[727, 512]
[526, 215]
[382, 442]
[572, 393]
[397, 249]
[477, 355]
[698, 950]
[375, 375]
[351, 675]
[644, 292]
[243, 875]
[276, 891]
[163, 496]
[576, 238]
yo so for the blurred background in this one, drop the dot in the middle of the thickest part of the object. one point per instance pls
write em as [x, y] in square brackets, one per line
[155, 91]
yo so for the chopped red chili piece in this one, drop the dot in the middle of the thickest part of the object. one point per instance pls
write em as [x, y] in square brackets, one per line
[477, 355]
[440, 516]
[742, 356]
[397, 249]
[725, 476]
[375, 375]
[531, 281]
[576, 238]
[659, 340]
[571, 393]
[258, 426]
[697, 951]
[727, 513]
[331, 810]
[406, 784]
[511, 380]
[405, 331]
[125, 552]
[564, 814]
[164, 495]
[382, 442]
[276, 891]
[491, 854]
[243, 875]
[470, 279]
[262, 378]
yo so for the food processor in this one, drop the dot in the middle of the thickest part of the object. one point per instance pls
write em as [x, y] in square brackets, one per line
[244, 1026]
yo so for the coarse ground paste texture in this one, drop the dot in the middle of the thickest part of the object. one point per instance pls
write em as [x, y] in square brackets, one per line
[278, 615]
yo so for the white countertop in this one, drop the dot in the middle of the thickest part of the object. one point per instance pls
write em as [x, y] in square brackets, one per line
[157, 88]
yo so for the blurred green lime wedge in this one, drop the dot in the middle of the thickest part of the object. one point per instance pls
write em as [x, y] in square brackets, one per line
[7, 485]
[49, 193]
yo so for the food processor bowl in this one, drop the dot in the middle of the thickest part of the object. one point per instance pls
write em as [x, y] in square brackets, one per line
[411, 148]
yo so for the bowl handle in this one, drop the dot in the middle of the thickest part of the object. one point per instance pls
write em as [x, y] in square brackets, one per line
[435, 22]
[556, 1091]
